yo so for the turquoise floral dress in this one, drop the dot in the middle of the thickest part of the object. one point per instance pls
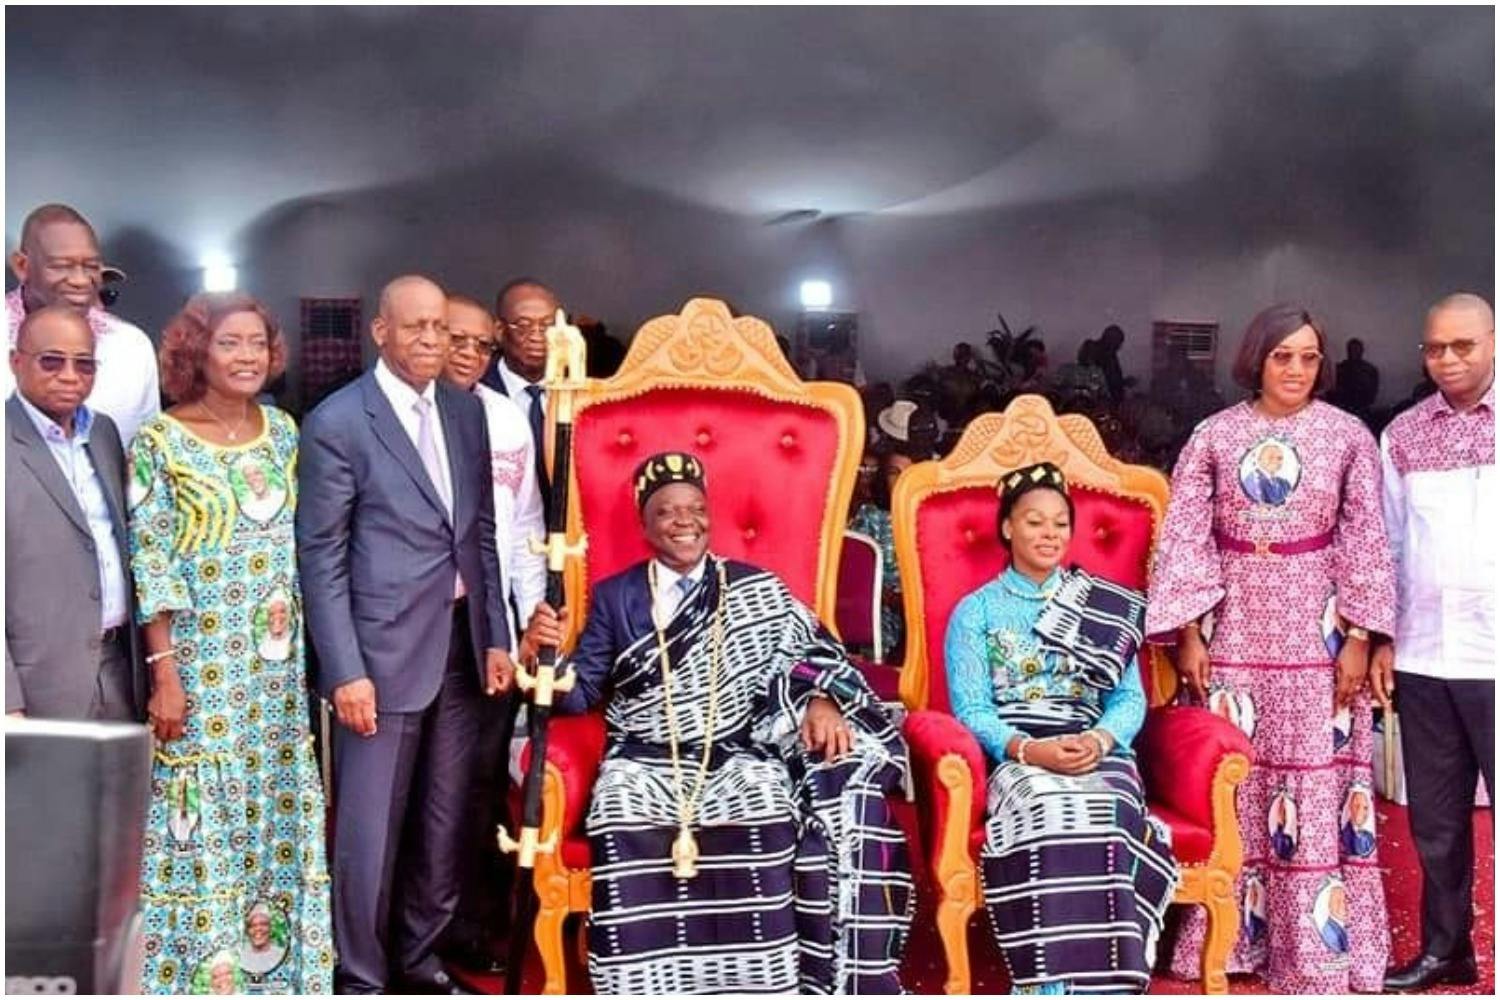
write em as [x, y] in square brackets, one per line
[234, 883]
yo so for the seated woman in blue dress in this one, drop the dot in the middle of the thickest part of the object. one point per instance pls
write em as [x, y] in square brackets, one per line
[1042, 667]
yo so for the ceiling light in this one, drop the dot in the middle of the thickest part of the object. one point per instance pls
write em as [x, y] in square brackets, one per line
[817, 295]
[219, 275]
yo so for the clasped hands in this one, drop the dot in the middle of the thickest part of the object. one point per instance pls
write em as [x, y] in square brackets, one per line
[1078, 753]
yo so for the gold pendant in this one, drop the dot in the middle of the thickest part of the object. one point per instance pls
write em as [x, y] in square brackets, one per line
[685, 854]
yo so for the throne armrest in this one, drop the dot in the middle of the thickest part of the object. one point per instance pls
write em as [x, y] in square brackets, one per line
[575, 748]
[949, 771]
[1182, 750]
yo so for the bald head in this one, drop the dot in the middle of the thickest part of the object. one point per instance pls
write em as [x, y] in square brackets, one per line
[1458, 346]
[405, 285]
[36, 327]
[48, 215]
[412, 329]
[1465, 302]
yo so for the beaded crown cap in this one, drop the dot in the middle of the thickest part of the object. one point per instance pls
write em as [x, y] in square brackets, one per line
[1046, 474]
[664, 469]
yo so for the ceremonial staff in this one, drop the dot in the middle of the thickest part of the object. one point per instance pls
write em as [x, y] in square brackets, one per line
[564, 377]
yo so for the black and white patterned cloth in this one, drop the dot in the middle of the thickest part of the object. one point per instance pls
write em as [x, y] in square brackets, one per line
[803, 880]
[1077, 875]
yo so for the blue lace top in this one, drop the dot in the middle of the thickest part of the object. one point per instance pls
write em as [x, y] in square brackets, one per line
[994, 656]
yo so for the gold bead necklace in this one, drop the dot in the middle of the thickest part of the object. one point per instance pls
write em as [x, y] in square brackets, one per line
[685, 847]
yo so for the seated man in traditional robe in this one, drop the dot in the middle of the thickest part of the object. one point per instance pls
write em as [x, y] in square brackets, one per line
[741, 835]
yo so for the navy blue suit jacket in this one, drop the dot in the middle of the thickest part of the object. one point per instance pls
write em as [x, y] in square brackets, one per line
[378, 551]
[619, 614]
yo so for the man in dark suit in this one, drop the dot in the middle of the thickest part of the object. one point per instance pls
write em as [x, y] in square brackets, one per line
[71, 647]
[396, 541]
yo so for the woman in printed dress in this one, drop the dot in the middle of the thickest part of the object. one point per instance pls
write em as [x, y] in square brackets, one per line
[1271, 574]
[234, 885]
[1043, 668]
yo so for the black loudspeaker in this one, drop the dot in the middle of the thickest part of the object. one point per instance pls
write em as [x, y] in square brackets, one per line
[75, 815]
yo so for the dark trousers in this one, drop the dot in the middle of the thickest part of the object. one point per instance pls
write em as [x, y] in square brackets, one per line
[488, 875]
[399, 824]
[1447, 741]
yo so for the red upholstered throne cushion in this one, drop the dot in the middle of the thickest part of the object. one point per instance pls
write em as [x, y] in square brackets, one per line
[769, 463]
[959, 547]
[1179, 749]
[857, 611]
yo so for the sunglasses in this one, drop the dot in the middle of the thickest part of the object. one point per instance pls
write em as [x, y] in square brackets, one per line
[475, 344]
[53, 362]
[1460, 348]
[1283, 358]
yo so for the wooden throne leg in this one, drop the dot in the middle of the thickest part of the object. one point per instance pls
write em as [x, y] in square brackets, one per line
[1223, 928]
[549, 942]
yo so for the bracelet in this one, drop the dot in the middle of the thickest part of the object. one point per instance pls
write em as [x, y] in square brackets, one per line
[1192, 625]
[1098, 739]
[158, 657]
[1357, 633]
[1021, 749]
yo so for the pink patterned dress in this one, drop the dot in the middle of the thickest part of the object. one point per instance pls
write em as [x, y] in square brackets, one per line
[1273, 531]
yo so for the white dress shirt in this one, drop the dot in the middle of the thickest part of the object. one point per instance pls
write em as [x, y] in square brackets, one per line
[403, 400]
[668, 596]
[517, 387]
[78, 469]
[518, 503]
[1441, 501]
[126, 389]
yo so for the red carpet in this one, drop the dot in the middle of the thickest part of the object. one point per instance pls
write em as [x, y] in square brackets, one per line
[924, 969]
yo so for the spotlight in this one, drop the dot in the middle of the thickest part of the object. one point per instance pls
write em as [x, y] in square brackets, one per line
[219, 275]
[817, 295]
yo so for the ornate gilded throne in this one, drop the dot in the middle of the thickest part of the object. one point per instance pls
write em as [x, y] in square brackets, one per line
[781, 457]
[944, 522]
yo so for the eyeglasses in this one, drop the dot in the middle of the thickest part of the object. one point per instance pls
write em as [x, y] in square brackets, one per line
[1283, 358]
[53, 362]
[476, 344]
[528, 325]
[1460, 348]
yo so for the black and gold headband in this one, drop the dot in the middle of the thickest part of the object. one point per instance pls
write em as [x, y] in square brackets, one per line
[1043, 474]
[665, 469]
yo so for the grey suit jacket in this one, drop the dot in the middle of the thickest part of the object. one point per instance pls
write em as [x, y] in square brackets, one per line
[377, 550]
[52, 598]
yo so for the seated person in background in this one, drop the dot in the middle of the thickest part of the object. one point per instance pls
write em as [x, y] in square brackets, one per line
[1080, 387]
[741, 836]
[873, 517]
[1042, 667]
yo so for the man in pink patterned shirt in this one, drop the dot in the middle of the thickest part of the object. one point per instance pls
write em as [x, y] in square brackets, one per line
[1438, 471]
[58, 264]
